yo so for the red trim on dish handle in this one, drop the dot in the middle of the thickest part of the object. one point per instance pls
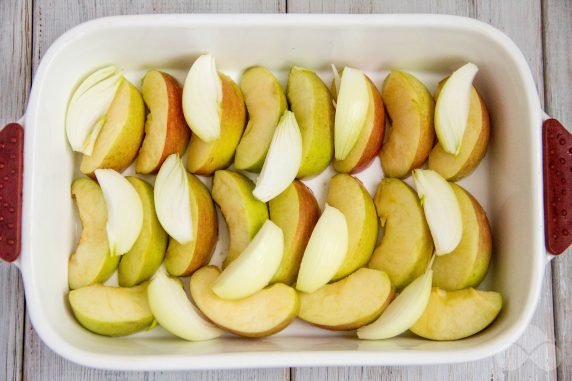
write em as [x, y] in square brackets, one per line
[11, 171]
[557, 168]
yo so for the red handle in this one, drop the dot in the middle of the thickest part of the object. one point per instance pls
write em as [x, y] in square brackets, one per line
[11, 170]
[557, 165]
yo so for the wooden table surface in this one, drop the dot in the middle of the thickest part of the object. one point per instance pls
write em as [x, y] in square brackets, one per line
[541, 28]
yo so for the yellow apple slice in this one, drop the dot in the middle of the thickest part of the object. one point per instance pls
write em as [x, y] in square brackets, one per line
[265, 102]
[296, 212]
[454, 315]
[282, 161]
[441, 209]
[166, 131]
[121, 133]
[467, 265]
[112, 311]
[88, 107]
[172, 200]
[91, 262]
[311, 102]
[204, 158]
[349, 196]
[402, 313]
[325, 251]
[349, 303]
[452, 108]
[406, 245]
[202, 98]
[266, 312]
[140, 263]
[254, 267]
[124, 210]
[174, 311]
[351, 111]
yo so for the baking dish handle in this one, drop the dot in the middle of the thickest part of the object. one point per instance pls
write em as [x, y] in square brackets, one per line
[11, 171]
[557, 171]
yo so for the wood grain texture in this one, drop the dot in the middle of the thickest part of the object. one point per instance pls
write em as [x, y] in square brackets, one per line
[558, 94]
[51, 19]
[15, 79]
[533, 356]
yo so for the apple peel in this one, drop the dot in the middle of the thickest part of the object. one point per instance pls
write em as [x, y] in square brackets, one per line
[282, 161]
[172, 200]
[452, 108]
[255, 267]
[202, 99]
[124, 210]
[174, 311]
[325, 252]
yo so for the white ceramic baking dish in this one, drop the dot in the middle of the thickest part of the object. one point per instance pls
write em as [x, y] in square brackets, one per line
[509, 182]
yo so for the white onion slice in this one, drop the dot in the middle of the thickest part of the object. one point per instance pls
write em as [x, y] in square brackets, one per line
[124, 210]
[282, 161]
[337, 80]
[325, 252]
[452, 108]
[172, 200]
[255, 267]
[441, 209]
[202, 98]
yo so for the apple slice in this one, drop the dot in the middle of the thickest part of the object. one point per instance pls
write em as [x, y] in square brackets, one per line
[473, 145]
[255, 266]
[467, 265]
[265, 102]
[244, 214]
[441, 210]
[349, 303]
[311, 102]
[455, 315]
[402, 313]
[283, 160]
[88, 107]
[406, 245]
[204, 157]
[325, 252]
[111, 311]
[121, 134]
[452, 108]
[296, 212]
[350, 197]
[166, 131]
[183, 259]
[92, 262]
[175, 312]
[369, 140]
[410, 108]
[140, 263]
[268, 311]
[124, 210]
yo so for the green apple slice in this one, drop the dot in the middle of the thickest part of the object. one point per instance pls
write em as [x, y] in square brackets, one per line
[124, 210]
[140, 263]
[265, 102]
[325, 251]
[202, 98]
[91, 262]
[254, 268]
[282, 161]
[452, 108]
[174, 311]
[112, 311]
[441, 209]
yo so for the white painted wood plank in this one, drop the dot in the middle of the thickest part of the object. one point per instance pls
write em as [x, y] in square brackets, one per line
[51, 19]
[533, 356]
[558, 94]
[15, 78]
